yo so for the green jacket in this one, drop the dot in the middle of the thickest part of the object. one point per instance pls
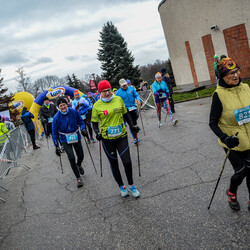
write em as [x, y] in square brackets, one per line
[4, 132]
[216, 69]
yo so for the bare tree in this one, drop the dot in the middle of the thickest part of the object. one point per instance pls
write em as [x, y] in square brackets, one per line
[23, 80]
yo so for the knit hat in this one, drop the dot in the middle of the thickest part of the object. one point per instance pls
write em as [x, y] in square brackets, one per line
[104, 84]
[122, 82]
[45, 98]
[158, 74]
[216, 56]
[163, 71]
[128, 81]
[76, 92]
[60, 101]
[225, 65]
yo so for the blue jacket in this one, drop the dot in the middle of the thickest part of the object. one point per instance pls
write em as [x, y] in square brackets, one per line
[159, 87]
[66, 124]
[128, 96]
[84, 106]
[26, 118]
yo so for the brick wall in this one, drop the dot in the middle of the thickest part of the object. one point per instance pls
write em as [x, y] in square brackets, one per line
[238, 47]
[191, 62]
[209, 52]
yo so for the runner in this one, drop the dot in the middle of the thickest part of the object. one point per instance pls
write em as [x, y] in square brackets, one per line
[47, 113]
[83, 106]
[131, 100]
[110, 111]
[161, 92]
[65, 127]
[230, 114]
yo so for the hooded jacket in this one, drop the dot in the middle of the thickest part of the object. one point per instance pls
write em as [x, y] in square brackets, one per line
[26, 117]
[128, 96]
[159, 87]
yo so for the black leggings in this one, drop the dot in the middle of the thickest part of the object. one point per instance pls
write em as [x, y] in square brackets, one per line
[88, 124]
[121, 145]
[32, 134]
[79, 153]
[241, 164]
[133, 115]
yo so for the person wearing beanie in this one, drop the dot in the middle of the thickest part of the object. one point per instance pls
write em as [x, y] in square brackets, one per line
[27, 117]
[161, 92]
[46, 114]
[110, 111]
[114, 91]
[216, 59]
[132, 100]
[167, 80]
[230, 121]
[65, 128]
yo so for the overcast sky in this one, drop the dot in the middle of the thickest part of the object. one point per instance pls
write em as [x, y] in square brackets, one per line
[60, 37]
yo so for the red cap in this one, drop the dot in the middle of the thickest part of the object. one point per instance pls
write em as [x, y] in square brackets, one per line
[76, 92]
[104, 84]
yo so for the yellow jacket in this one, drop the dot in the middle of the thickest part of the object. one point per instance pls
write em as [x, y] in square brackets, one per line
[4, 132]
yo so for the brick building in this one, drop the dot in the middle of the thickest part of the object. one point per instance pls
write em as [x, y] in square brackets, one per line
[195, 30]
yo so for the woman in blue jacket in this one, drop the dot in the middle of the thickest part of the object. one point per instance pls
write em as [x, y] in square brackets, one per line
[65, 127]
[161, 92]
[27, 117]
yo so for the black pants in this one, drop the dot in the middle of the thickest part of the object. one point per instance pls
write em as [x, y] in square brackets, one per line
[133, 115]
[241, 164]
[88, 124]
[171, 102]
[32, 134]
[79, 153]
[47, 128]
[121, 145]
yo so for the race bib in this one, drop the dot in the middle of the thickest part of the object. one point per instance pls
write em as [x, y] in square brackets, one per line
[83, 117]
[132, 108]
[50, 119]
[163, 95]
[242, 115]
[114, 131]
[71, 138]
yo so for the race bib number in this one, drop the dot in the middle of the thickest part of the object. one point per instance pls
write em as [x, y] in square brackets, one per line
[50, 120]
[83, 117]
[163, 95]
[72, 138]
[242, 115]
[114, 131]
[132, 108]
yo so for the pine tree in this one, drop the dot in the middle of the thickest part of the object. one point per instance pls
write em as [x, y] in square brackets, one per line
[5, 99]
[76, 82]
[116, 60]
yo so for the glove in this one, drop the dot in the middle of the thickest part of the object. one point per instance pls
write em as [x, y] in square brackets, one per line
[84, 133]
[99, 136]
[58, 151]
[135, 129]
[231, 141]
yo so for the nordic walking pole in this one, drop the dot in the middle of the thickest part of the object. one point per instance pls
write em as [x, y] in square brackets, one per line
[220, 176]
[90, 154]
[100, 150]
[142, 122]
[61, 163]
[138, 155]
[46, 130]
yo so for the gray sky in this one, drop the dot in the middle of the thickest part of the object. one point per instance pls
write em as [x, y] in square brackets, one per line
[60, 37]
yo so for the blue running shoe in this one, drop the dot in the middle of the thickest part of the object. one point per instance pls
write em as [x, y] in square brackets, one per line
[93, 140]
[134, 191]
[136, 141]
[124, 191]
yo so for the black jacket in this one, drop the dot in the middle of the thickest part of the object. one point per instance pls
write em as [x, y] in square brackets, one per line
[46, 113]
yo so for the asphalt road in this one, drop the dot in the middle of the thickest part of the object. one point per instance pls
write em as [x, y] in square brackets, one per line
[179, 167]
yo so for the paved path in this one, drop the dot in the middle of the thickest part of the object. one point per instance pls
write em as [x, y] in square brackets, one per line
[180, 166]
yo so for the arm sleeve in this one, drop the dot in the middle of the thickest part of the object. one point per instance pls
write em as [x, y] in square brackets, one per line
[94, 116]
[4, 129]
[96, 127]
[31, 115]
[124, 110]
[215, 114]
[137, 97]
[55, 132]
[80, 122]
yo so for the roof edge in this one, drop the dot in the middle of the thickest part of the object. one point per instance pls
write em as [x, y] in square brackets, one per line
[160, 4]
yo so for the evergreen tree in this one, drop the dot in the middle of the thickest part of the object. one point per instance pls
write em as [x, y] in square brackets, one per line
[116, 60]
[76, 82]
[5, 99]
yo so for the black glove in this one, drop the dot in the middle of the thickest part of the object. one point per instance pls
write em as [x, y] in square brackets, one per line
[160, 95]
[135, 129]
[231, 141]
[58, 151]
[99, 136]
[84, 133]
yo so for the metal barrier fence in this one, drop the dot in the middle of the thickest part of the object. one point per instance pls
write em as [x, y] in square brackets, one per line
[18, 142]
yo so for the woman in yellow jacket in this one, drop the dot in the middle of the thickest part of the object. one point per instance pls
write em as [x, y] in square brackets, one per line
[4, 132]
[230, 115]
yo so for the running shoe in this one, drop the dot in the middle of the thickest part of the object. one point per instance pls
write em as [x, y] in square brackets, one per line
[160, 124]
[232, 201]
[175, 121]
[134, 191]
[88, 141]
[93, 140]
[124, 191]
[81, 170]
[135, 141]
[79, 182]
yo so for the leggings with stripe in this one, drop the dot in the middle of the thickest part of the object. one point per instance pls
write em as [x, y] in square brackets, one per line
[241, 164]
[167, 107]
[120, 145]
